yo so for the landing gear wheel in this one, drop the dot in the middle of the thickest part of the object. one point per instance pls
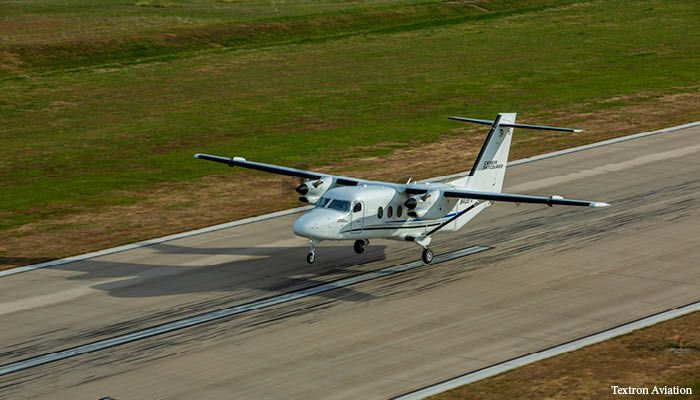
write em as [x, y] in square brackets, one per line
[360, 246]
[311, 257]
[427, 256]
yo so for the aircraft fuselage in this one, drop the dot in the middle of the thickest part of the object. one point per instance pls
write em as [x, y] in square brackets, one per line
[377, 211]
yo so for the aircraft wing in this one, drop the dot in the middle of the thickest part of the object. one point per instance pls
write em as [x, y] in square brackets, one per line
[521, 198]
[274, 169]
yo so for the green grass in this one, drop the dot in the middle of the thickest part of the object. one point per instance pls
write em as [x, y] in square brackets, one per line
[76, 33]
[87, 137]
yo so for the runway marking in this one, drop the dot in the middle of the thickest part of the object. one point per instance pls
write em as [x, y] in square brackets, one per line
[264, 217]
[45, 299]
[604, 169]
[228, 312]
[530, 358]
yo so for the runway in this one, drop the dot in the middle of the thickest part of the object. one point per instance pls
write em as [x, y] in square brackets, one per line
[550, 275]
[227, 312]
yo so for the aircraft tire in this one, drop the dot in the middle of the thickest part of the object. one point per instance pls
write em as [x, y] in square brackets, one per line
[360, 246]
[427, 256]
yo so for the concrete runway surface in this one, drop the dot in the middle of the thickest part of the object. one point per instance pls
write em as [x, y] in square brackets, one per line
[549, 275]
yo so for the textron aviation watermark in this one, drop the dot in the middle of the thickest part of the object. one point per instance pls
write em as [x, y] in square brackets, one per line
[664, 390]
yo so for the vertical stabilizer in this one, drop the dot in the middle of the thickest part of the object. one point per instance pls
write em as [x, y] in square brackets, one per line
[490, 166]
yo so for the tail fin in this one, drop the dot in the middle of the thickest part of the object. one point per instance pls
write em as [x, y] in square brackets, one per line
[489, 169]
[490, 166]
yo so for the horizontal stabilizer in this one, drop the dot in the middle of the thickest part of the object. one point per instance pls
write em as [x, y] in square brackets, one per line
[514, 125]
[522, 198]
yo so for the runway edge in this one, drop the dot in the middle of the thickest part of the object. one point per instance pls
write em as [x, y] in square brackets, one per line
[530, 358]
[162, 239]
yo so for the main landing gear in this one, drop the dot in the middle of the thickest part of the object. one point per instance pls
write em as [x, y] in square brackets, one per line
[423, 241]
[360, 245]
[427, 256]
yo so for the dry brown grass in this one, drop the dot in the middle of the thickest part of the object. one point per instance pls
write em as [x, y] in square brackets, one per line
[173, 208]
[664, 354]
[10, 62]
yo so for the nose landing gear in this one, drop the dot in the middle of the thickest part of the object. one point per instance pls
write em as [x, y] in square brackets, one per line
[361, 245]
[311, 257]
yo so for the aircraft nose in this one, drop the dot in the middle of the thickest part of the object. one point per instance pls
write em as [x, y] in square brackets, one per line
[318, 224]
[304, 227]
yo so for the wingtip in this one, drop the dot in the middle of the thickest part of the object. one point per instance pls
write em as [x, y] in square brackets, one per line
[578, 130]
[197, 155]
[599, 204]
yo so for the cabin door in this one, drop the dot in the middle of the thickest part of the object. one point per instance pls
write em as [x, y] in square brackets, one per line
[358, 217]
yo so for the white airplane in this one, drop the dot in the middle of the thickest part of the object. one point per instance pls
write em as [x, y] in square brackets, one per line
[356, 209]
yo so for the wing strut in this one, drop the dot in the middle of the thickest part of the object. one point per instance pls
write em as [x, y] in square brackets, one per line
[521, 198]
[459, 214]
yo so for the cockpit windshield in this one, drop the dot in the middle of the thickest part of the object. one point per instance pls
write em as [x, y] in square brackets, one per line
[334, 204]
[340, 205]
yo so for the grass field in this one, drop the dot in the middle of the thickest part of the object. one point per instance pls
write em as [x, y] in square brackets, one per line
[78, 33]
[667, 354]
[97, 140]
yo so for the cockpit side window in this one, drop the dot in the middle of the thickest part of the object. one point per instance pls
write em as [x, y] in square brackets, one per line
[357, 208]
[322, 202]
[340, 205]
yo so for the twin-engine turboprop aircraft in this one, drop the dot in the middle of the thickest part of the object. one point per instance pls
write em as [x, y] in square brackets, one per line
[357, 209]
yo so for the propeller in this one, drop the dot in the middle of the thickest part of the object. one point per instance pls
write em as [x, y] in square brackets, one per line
[289, 184]
[304, 187]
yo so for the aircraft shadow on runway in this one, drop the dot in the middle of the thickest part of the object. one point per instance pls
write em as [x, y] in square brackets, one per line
[273, 269]
[283, 269]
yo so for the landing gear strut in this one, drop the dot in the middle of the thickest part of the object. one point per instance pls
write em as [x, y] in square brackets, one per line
[423, 241]
[360, 246]
[427, 256]
[311, 257]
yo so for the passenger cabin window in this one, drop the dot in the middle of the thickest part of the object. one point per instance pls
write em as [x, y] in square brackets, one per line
[357, 208]
[399, 211]
[340, 205]
[389, 212]
[380, 212]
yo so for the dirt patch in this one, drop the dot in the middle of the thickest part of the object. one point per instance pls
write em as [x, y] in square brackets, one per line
[174, 208]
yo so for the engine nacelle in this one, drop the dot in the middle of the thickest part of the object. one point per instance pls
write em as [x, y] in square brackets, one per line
[418, 206]
[411, 203]
[312, 190]
[309, 199]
